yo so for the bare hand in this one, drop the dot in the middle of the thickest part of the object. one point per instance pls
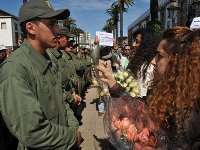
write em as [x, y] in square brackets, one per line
[77, 99]
[106, 74]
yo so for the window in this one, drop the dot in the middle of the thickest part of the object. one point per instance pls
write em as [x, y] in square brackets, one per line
[3, 25]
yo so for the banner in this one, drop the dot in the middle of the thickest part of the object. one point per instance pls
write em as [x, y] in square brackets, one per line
[104, 38]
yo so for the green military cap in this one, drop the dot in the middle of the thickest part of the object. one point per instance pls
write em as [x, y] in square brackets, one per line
[40, 9]
[65, 32]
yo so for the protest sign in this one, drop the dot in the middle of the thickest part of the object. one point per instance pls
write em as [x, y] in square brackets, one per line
[104, 38]
[195, 23]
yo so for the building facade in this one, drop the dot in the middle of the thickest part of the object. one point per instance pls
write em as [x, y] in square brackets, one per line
[168, 13]
[139, 23]
[85, 39]
[171, 13]
[9, 30]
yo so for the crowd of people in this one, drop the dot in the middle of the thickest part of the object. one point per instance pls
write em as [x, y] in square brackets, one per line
[168, 74]
[43, 85]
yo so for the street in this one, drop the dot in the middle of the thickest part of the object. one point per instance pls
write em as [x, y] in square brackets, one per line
[92, 129]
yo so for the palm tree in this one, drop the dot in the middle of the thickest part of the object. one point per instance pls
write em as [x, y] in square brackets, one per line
[69, 22]
[154, 25]
[113, 11]
[123, 5]
[109, 26]
[76, 31]
[154, 10]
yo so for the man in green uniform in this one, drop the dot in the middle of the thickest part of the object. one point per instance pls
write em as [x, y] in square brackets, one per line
[31, 101]
[86, 67]
[71, 87]
[7, 141]
[66, 66]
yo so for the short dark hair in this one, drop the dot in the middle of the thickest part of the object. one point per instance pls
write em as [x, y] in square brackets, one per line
[23, 27]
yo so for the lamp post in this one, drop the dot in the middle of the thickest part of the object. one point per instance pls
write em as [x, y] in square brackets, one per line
[24, 1]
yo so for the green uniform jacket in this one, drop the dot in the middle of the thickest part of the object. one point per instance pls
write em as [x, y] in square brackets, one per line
[31, 102]
[67, 73]
[66, 70]
[70, 72]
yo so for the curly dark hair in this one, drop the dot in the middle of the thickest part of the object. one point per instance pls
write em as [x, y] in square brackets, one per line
[179, 89]
[144, 54]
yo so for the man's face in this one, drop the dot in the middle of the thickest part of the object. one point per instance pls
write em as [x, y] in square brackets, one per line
[3, 55]
[44, 31]
[126, 50]
[63, 42]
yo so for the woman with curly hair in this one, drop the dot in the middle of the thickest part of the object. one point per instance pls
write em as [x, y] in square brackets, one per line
[168, 46]
[169, 102]
[175, 100]
[145, 52]
[140, 65]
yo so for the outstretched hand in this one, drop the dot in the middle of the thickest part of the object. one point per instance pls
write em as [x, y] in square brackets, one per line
[106, 74]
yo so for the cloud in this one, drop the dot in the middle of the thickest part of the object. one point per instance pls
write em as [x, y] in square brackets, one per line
[97, 5]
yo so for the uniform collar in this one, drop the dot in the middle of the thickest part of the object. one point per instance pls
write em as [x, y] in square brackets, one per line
[42, 62]
[56, 53]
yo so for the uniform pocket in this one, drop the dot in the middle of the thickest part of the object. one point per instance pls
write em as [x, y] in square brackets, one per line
[48, 103]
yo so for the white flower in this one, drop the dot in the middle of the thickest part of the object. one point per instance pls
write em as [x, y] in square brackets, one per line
[125, 84]
[133, 84]
[136, 90]
[128, 89]
[121, 77]
[94, 82]
[133, 94]
[105, 90]
[125, 74]
[119, 82]
[129, 80]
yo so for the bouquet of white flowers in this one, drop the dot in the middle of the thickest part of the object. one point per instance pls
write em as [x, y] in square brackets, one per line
[128, 82]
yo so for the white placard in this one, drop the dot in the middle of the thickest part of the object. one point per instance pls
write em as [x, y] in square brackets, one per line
[195, 23]
[105, 39]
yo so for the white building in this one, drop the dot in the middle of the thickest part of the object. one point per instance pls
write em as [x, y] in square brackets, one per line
[85, 39]
[9, 30]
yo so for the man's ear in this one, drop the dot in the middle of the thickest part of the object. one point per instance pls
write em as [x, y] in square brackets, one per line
[31, 28]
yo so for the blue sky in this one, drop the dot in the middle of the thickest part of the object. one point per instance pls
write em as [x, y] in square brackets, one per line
[89, 14]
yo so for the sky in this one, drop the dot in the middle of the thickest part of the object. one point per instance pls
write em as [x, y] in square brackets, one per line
[89, 14]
